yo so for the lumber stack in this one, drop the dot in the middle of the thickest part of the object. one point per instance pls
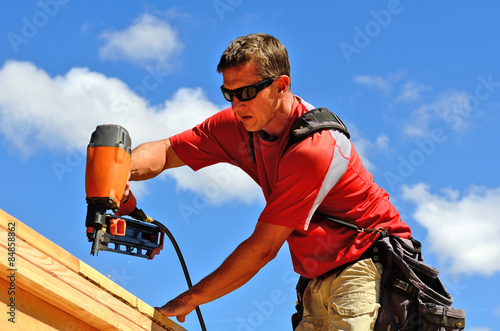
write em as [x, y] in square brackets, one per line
[44, 287]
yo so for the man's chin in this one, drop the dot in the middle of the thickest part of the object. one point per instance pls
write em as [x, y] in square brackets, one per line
[249, 126]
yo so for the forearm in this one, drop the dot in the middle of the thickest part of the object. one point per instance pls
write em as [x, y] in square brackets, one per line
[150, 159]
[246, 260]
[234, 272]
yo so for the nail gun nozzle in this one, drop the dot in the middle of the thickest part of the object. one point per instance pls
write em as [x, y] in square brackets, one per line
[96, 243]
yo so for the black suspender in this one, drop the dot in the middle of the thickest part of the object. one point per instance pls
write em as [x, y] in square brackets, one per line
[314, 120]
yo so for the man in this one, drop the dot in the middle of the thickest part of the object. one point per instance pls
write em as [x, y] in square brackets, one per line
[323, 173]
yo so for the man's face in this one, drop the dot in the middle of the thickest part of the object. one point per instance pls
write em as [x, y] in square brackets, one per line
[256, 114]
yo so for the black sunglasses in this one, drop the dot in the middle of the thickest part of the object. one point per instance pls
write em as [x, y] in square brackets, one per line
[246, 93]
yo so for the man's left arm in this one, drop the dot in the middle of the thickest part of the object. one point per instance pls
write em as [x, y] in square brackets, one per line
[246, 260]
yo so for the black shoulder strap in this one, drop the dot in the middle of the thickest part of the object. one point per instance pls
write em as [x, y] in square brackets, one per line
[315, 120]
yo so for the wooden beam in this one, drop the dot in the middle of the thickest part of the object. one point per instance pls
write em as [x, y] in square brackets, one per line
[107, 284]
[32, 311]
[27, 234]
[67, 288]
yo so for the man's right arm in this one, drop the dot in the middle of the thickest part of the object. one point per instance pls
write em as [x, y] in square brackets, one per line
[150, 159]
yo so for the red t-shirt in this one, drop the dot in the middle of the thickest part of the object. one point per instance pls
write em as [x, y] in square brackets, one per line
[323, 172]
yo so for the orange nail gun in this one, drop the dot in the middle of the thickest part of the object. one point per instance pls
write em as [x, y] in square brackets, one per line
[106, 176]
[107, 172]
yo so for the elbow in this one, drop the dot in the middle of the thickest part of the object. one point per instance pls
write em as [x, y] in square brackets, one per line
[266, 255]
[266, 241]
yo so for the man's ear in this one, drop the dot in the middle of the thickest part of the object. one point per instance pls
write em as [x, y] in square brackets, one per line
[282, 82]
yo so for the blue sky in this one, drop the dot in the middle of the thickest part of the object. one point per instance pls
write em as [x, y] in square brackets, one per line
[417, 83]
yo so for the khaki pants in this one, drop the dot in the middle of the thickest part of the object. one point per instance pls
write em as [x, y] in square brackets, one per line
[345, 300]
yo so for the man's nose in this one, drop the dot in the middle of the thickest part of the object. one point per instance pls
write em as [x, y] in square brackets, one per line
[237, 105]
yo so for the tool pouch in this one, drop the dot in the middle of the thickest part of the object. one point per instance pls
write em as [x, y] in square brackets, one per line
[412, 295]
[300, 288]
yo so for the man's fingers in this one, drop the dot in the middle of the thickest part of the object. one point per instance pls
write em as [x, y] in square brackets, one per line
[164, 311]
[178, 307]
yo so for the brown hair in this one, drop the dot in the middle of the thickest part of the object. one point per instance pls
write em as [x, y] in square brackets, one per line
[269, 53]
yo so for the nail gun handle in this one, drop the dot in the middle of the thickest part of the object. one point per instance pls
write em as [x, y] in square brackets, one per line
[128, 206]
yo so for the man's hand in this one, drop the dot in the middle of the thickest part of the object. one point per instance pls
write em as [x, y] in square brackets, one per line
[178, 307]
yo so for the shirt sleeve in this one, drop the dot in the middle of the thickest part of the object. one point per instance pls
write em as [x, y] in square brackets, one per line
[220, 138]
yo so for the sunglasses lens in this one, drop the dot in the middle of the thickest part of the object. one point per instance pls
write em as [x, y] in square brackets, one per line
[228, 96]
[248, 93]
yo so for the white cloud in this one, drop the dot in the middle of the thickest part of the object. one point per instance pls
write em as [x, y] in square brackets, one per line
[149, 40]
[464, 230]
[384, 84]
[375, 81]
[60, 113]
[410, 92]
[452, 107]
[219, 184]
